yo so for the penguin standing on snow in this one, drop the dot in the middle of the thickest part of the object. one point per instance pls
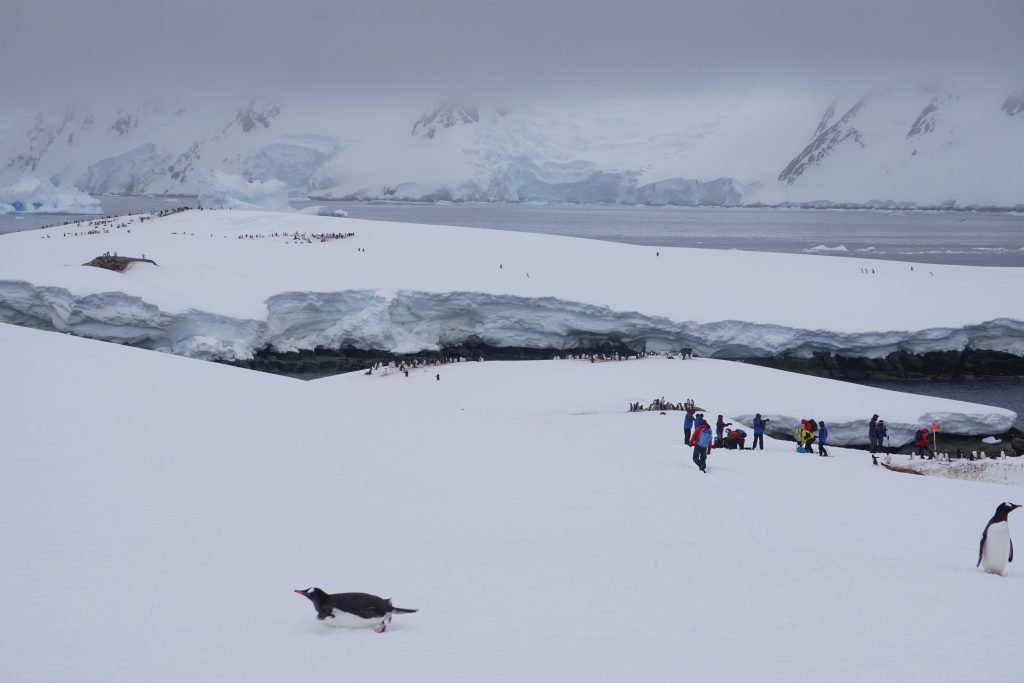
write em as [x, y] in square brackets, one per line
[996, 549]
[352, 610]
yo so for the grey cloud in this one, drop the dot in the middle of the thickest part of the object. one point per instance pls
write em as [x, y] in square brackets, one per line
[137, 48]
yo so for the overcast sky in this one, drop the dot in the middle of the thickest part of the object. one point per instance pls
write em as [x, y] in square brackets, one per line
[129, 49]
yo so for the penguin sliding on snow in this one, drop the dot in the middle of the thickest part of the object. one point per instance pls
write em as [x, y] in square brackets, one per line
[352, 610]
[996, 549]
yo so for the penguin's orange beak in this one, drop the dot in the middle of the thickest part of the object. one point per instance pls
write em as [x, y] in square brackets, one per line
[300, 591]
[1015, 506]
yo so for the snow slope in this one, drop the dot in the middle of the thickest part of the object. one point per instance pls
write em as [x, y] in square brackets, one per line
[232, 282]
[900, 145]
[156, 513]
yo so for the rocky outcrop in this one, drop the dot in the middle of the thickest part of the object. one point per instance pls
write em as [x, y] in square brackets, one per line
[444, 116]
[965, 364]
[1014, 104]
[255, 115]
[825, 142]
[928, 119]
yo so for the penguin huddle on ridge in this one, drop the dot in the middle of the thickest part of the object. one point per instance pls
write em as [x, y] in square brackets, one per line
[352, 610]
[996, 549]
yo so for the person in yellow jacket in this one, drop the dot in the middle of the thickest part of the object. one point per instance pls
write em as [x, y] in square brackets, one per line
[805, 438]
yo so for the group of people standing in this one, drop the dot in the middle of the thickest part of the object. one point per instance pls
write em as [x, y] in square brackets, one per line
[810, 431]
[697, 433]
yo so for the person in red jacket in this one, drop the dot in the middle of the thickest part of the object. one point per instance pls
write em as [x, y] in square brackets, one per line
[701, 442]
[921, 441]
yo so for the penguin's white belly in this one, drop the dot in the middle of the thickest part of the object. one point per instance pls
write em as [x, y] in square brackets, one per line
[996, 553]
[349, 620]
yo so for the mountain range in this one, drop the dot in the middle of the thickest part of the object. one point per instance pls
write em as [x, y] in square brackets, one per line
[899, 146]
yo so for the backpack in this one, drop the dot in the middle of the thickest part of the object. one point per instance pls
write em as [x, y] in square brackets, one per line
[813, 426]
[705, 438]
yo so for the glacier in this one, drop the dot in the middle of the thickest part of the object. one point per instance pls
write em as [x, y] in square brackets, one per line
[40, 195]
[219, 190]
[774, 146]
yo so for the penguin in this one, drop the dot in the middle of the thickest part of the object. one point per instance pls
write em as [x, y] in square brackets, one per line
[996, 548]
[352, 610]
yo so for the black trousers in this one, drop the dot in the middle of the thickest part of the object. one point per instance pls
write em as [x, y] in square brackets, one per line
[758, 439]
[686, 434]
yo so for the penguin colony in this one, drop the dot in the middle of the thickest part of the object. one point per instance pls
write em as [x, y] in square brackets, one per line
[352, 610]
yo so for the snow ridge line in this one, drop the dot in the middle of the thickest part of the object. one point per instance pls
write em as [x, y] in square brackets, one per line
[406, 321]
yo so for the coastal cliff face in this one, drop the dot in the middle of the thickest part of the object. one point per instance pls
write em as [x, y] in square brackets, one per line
[964, 364]
[902, 365]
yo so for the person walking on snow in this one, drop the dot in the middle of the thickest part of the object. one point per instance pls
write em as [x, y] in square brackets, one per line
[758, 432]
[822, 438]
[688, 425]
[873, 433]
[702, 446]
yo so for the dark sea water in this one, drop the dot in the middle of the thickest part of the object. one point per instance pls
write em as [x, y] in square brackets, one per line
[1004, 392]
[948, 237]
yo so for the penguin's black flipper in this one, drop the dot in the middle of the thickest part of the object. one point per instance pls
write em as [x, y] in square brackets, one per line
[981, 548]
[1011, 550]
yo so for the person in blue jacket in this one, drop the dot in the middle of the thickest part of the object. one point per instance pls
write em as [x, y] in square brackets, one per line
[873, 433]
[758, 432]
[688, 425]
[880, 434]
[822, 438]
[720, 426]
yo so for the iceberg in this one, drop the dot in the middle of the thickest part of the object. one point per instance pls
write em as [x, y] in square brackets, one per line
[39, 195]
[323, 211]
[219, 190]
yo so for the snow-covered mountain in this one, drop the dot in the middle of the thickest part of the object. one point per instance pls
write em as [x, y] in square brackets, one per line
[909, 145]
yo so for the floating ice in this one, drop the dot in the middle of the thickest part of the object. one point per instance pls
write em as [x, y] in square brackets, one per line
[822, 248]
[323, 211]
[39, 195]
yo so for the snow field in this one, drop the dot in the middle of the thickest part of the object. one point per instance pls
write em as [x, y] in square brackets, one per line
[419, 287]
[156, 513]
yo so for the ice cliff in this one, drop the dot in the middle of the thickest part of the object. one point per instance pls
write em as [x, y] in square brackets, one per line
[218, 190]
[39, 195]
[411, 321]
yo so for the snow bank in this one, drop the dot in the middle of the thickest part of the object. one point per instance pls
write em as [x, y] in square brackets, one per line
[219, 190]
[1008, 471]
[513, 486]
[39, 195]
